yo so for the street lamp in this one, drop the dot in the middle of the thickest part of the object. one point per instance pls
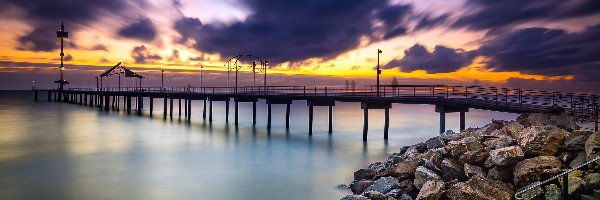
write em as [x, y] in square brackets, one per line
[379, 52]
[266, 66]
[201, 67]
[162, 79]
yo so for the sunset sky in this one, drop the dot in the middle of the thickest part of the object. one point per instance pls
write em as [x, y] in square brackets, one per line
[537, 44]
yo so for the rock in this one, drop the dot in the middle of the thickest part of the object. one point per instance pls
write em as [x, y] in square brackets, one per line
[535, 169]
[405, 197]
[579, 160]
[374, 195]
[488, 163]
[417, 148]
[453, 192]
[592, 146]
[504, 174]
[470, 132]
[472, 170]
[513, 129]
[431, 190]
[484, 188]
[576, 140]
[457, 148]
[452, 169]
[435, 155]
[395, 193]
[476, 157]
[422, 175]
[536, 193]
[576, 186]
[566, 156]
[384, 185]
[364, 174]
[380, 169]
[592, 180]
[506, 156]
[541, 140]
[405, 169]
[406, 187]
[403, 150]
[435, 142]
[343, 186]
[449, 135]
[395, 158]
[359, 186]
[430, 165]
[492, 127]
[354, 197]
[563, 121]
[500, 142]
[553, 192]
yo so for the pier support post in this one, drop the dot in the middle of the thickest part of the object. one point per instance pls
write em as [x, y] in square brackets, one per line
[179, 104]
[269, 116]
[287, 116]
[165, 107]
[210, 111]
[189, 109]
[128, 104]
[204, 109]
[151, 105]
[49, 96]
[236, 113]
[140, 105]
[365, 123]
[310, 119]
[386, 126]
[330, 119]
[462, 121]
[253, 113]
[171, 107]
[227, 111]
[107, 103]
[185, 106]
[36, 95]
[442, 122]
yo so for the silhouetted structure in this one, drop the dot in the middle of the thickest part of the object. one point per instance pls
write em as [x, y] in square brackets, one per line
[62, 34]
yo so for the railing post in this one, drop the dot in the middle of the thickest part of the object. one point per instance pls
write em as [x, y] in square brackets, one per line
[565, 186]
[325, 91]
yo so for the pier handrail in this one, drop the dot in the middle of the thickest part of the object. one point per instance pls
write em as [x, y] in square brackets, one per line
[565, 185]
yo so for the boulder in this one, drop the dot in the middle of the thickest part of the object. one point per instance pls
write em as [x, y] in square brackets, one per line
[417, 148]
[566, 156]
[452, 169]
[536, 193]
[453, 192]
[472, 170]
[449, 135]
[535, 169]
[422, 175]
[470, 132]
[592, 146]
[431, 190]
[580, 158]
[506, 156]
[430, 165]
[553, 192]
[541, 140]
[457, 148]
[364, 174]
[380, 169]
[435, 155]
[403, 150]
[406, 187]
[405, 197]
[354, 197]
[374, 195]
[576, 185]
[359, 186]
[500, 142]
[492, 127]
[576, 140]
[475, 157]
[563, 121]
[479, 187]
[592, 180]
[405, 169]
[513, 129]
[435, 142]
[504, 174]
[384, 185]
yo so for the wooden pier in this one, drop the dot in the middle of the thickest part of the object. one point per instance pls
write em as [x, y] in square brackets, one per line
[447, 99]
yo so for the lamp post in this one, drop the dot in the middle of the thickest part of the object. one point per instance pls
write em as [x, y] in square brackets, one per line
[201, 67]
[162, 79]
[33, 84]
[266, 66]
[379, 52]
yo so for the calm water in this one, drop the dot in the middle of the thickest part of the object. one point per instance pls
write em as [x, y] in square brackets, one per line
[52, 150]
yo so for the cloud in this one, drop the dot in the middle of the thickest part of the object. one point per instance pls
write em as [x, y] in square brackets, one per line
[296, 30]
[442, 59]
[45, 17]
[99, 47]
[142, 29]
[485, 14]
[175, 56]
[68, 57]
[543, 51]
[428, 22]
[141, 54]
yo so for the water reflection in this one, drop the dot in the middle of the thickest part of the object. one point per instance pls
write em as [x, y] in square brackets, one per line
[60, 151]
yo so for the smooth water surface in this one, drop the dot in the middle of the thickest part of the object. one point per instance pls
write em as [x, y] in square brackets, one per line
[51, 150]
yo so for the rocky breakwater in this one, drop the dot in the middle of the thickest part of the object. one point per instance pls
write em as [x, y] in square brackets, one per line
[492, 162]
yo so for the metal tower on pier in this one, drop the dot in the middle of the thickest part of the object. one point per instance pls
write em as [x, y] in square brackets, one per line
[62, 34]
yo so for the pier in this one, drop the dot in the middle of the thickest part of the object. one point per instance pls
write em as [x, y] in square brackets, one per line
[446, 99]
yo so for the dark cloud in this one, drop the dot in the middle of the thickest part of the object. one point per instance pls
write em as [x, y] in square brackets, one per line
[141, 54]
[486, 14]
[142, 29]
[68, 57]
[544, 51]
[99, 47]
[282, 31]
[442, 59]
[428, 22]
[175, 56]
[45, 17]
